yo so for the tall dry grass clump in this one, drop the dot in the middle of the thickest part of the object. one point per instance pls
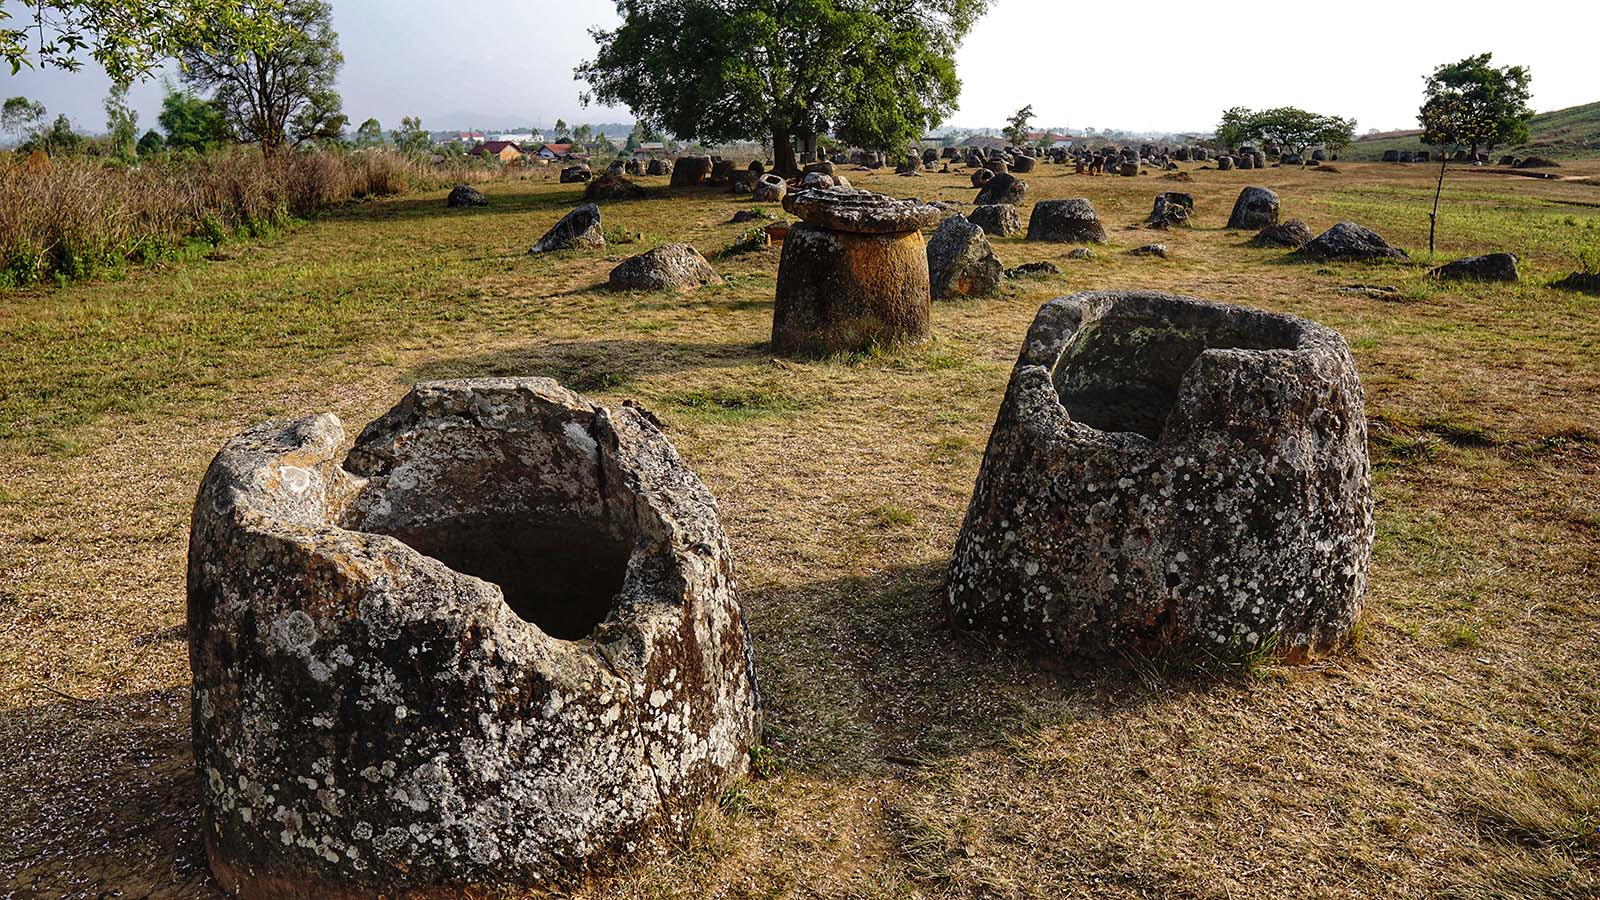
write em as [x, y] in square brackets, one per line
[69, 218]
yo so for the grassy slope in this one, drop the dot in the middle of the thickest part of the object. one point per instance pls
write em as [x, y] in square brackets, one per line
[1571, 133]
[1452, 751]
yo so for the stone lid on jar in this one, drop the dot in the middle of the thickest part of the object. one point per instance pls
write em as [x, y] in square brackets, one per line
[861, 212]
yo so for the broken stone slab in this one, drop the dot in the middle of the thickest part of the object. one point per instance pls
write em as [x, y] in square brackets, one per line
[1292, 234]
[1150, 250]
[1170, 474]
[578, 228]
[1038, 269]
[575, 174]
[1065, 221]
[960, 261]
[1582, 282]
[1257, 207]
[1489, 267]
[996, 219]
[496, 646]
[1172, 209]
[670, 267]
[1349, 241]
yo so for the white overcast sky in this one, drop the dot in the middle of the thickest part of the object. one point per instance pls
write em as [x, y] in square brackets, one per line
[1153, 65]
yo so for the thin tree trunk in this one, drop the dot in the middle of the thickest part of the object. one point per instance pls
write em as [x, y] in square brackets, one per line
[783, 161]
[1433, 217]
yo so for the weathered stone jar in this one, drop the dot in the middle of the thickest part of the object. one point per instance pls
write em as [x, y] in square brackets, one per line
[1170, 474]
[854, 273]
[497, 645]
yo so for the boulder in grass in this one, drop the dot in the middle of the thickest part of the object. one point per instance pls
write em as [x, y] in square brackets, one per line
[1065, 221]
[658, 167]
[576, 174]
[1257, 207]
[1159, 250]
[1292, 234]
[670, 267]
[1489, 267]
[1349, 241]
[960, 261]
[466, 195]
[691, 171]
[612, 186]
[578, 228]
[770, 188]
[1582, 282]
[1002, 188]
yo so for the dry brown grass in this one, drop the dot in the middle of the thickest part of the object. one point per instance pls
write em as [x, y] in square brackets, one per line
[1452, 752]
[75, 218]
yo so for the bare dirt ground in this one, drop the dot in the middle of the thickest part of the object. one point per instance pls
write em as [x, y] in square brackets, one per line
[1452, 751]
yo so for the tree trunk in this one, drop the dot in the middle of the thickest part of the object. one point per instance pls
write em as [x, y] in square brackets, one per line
[1433, 217]
[783, 162]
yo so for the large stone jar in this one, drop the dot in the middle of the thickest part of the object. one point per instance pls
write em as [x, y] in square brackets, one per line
[1170, 474]
[854, 273]
[497, 645]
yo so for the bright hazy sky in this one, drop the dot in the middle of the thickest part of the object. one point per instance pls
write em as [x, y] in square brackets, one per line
[1155, 65]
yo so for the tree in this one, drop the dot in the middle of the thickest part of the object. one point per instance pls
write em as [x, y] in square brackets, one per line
[1472, 104]
[151, 143]
[280, 95]
[191, 122]
[369, 134]
[1233, 130]
[1017, 126]
[58, 139]
[1289, 127]
[410, 137]
[19, 116]
[873, 73]
[122, 125]
[561, 132]
[1297, 130]
[128, 38]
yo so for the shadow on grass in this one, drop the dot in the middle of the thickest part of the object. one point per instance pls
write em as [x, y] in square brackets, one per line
[514, 198]
[101, 799]
[593, 365]
[862, 672]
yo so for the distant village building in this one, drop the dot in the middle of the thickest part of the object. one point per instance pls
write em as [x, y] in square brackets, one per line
[506, 151]
[647, 149]
[468, 138]
[554, 151]
[519, 137]
[1050, 139]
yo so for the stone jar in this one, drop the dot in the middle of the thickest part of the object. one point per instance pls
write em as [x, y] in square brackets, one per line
[853, 274]
[496, 646]
[1168, 474]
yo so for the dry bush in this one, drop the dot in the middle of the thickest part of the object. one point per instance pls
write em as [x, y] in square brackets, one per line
[67, 219]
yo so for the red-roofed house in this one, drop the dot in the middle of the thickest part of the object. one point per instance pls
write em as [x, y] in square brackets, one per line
[555, 151]
[505, 150]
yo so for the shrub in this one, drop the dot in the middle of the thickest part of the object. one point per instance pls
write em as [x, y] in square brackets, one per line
[72, 218]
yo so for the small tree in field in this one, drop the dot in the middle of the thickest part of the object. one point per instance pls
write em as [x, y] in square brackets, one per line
[20, 115]
[1472, 104]
[369, 134]
[280, 95]
[1017, 126]
[1291, 128]
[410, 137]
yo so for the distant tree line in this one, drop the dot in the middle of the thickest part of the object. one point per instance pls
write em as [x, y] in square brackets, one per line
[1290, 128]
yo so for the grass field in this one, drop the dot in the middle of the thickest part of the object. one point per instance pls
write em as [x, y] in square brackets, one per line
[1453, 751]
[1571, 133]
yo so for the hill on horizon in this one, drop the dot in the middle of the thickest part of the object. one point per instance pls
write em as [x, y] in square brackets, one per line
[1571, 133]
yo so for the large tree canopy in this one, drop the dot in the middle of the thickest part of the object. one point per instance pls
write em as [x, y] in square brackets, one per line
[875, 73]
[278, 95]
[1471, 103]
[1289, 127]
[128, 38]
